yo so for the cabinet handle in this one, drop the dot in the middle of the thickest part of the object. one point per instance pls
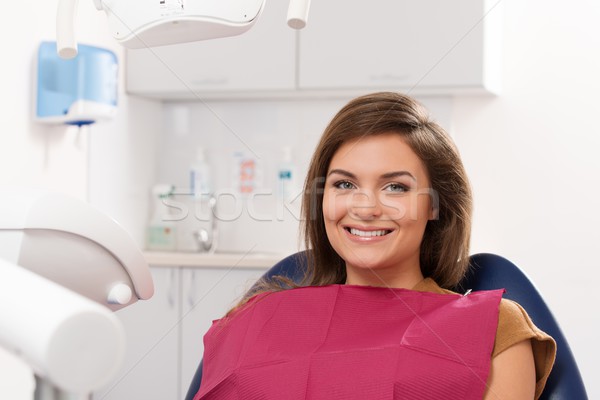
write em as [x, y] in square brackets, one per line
[192, 290]
[171, 293]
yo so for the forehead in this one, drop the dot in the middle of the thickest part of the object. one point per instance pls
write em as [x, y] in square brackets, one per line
[378, 154]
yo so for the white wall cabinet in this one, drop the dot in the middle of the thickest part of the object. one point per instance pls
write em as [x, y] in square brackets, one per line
[425, 46]
[207, 295]
[164, 334]
[437, 47]
[262, 59]
[151, 366]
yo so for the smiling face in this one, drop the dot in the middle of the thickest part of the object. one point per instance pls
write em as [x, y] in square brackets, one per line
[376, 205]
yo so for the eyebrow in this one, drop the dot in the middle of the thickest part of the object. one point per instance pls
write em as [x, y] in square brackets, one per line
[387, 175]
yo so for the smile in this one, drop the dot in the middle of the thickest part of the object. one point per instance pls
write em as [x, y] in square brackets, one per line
[372, 233]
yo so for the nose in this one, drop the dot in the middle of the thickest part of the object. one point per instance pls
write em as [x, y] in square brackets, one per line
[364, 205]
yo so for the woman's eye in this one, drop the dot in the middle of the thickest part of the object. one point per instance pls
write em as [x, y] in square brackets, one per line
[396, 187]
[344, 185]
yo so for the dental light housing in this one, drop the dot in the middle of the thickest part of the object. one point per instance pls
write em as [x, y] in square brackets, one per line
[142, 23]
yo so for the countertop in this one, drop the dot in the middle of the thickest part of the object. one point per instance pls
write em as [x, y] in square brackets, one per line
[205, 260]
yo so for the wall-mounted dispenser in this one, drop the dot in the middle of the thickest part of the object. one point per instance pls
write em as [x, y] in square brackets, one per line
[78, 91]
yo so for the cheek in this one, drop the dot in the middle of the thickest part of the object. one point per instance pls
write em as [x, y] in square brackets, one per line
[395, 207]
[412, 208]
[423, 211]
[334, 206]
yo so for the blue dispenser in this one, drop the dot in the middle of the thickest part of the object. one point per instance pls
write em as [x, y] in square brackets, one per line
[79, 91]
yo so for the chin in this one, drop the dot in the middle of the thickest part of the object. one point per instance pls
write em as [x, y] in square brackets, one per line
[366, 262]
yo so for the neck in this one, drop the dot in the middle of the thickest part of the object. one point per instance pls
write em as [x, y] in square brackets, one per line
[384, 277]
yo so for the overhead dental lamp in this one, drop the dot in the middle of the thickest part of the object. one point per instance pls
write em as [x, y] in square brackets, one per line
[64, 267]
[149, 23]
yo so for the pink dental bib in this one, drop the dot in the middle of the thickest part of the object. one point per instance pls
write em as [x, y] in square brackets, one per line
[352, 342]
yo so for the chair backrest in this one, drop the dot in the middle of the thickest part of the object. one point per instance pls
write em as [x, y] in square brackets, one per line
[488, 271]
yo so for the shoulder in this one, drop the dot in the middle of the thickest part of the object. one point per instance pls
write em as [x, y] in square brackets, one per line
[514, 324]
[514, 327]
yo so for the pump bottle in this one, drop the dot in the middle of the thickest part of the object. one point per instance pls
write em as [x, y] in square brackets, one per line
[200, 179]
[160, 233]
[286, 176]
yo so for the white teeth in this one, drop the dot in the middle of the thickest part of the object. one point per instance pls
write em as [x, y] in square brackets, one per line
[368, 233]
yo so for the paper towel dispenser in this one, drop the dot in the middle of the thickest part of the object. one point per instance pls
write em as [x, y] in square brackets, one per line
[78, 91]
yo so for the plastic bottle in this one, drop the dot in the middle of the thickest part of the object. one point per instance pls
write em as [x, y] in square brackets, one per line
[160, 233]
[286, 176]
[198, 228]
[246, 173]
[200, 175]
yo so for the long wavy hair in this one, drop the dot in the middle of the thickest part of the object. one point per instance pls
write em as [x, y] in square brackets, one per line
[444, 253]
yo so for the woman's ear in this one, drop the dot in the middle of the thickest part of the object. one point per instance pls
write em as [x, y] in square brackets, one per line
[434, 213]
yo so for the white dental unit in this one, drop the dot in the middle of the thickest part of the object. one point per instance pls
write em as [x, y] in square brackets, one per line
[64, 266]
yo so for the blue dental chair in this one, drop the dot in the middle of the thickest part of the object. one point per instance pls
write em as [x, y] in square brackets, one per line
[488, 271]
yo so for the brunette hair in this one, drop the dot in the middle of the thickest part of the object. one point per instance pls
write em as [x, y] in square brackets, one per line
[444, 253]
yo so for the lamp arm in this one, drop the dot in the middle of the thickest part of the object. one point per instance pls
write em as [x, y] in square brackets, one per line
[298, 13]
[66, 45]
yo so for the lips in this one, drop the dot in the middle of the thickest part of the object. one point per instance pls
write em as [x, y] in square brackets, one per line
[367, 232]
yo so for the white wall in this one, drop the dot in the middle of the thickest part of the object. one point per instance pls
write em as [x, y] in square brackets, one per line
[122, 163]
[532, 155]
[31, 153]
[58, 157]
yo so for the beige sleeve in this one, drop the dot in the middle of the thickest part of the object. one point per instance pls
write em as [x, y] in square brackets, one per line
[514, 326]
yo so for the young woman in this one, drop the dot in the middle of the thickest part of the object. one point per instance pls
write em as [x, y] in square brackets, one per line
[387, 214]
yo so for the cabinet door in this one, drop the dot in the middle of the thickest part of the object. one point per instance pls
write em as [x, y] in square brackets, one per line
[208, 293]
[410, 45]
[150, 367]
[263, 58]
